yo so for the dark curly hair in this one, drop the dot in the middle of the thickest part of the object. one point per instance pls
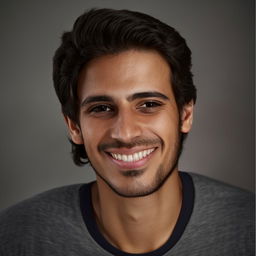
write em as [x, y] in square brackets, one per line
[100, 32]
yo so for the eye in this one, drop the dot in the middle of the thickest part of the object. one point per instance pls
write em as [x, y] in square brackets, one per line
[150, 106]
[98, 109]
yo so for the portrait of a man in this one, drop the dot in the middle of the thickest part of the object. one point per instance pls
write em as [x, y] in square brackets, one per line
[124, 81]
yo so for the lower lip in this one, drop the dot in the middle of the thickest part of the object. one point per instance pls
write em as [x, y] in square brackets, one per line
[132, 165]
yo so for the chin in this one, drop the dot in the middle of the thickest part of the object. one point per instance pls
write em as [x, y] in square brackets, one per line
[135, 185]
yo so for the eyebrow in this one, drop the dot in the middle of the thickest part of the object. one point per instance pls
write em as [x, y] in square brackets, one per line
[139, 95]
[150, 94]
[98, 98]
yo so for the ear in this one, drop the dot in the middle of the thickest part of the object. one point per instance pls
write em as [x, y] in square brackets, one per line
[187, 117]
[74, 131]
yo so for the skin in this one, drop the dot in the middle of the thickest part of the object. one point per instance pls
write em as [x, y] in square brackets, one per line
[128, 106]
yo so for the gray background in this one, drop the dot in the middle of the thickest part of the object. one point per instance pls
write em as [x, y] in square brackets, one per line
[34, 148]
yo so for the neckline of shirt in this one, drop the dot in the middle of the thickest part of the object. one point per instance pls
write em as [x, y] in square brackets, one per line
[183, 219]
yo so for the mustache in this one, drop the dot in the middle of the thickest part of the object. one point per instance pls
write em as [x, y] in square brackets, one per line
[135, 142]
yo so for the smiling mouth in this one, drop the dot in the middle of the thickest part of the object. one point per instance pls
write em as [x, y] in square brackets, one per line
[132, 157]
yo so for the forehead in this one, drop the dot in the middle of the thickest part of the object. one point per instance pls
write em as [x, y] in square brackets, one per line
[125, 73]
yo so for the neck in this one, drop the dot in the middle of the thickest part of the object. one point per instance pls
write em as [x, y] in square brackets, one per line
[139, 224]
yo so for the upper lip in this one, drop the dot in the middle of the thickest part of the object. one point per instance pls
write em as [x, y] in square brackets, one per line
[128, 151]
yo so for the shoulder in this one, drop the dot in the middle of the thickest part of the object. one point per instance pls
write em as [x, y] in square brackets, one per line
[35, 217]
[43, 202]
[214, 191]
[220, 198]
[223, 213]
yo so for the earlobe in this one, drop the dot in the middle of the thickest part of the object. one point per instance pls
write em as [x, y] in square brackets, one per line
[187, 117]
[74, 131]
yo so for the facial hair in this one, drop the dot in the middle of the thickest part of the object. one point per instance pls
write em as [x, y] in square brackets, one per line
[161, 176]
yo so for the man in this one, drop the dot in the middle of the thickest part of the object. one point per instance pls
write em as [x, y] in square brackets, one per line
[125, 85]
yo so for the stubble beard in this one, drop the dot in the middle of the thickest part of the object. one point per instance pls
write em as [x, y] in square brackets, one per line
[138, 189]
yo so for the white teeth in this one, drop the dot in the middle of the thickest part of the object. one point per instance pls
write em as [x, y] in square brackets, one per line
[130, 158]
[134, 157]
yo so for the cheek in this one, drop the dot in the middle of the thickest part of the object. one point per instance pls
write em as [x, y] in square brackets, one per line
[165, 125]
[91, 133]
[167, 129]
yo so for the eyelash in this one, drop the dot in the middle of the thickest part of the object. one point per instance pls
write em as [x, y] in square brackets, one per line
[149, 106]
[153, 104]
[100, 109]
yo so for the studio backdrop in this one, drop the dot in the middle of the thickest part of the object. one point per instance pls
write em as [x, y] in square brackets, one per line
[35, 152]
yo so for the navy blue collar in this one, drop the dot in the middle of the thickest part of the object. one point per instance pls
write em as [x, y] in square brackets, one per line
[184, 216]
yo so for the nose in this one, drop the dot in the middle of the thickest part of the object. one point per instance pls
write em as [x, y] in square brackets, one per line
[126, 126]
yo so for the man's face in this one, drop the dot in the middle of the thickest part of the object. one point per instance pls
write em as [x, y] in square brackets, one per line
[129, 121]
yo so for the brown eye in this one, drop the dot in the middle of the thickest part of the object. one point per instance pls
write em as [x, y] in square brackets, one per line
[100, 109]
[151, 104]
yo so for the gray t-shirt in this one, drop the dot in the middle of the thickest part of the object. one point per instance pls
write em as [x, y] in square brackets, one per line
[215, 219]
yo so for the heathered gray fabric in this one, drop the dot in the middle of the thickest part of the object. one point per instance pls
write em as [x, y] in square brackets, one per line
[222, 223]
